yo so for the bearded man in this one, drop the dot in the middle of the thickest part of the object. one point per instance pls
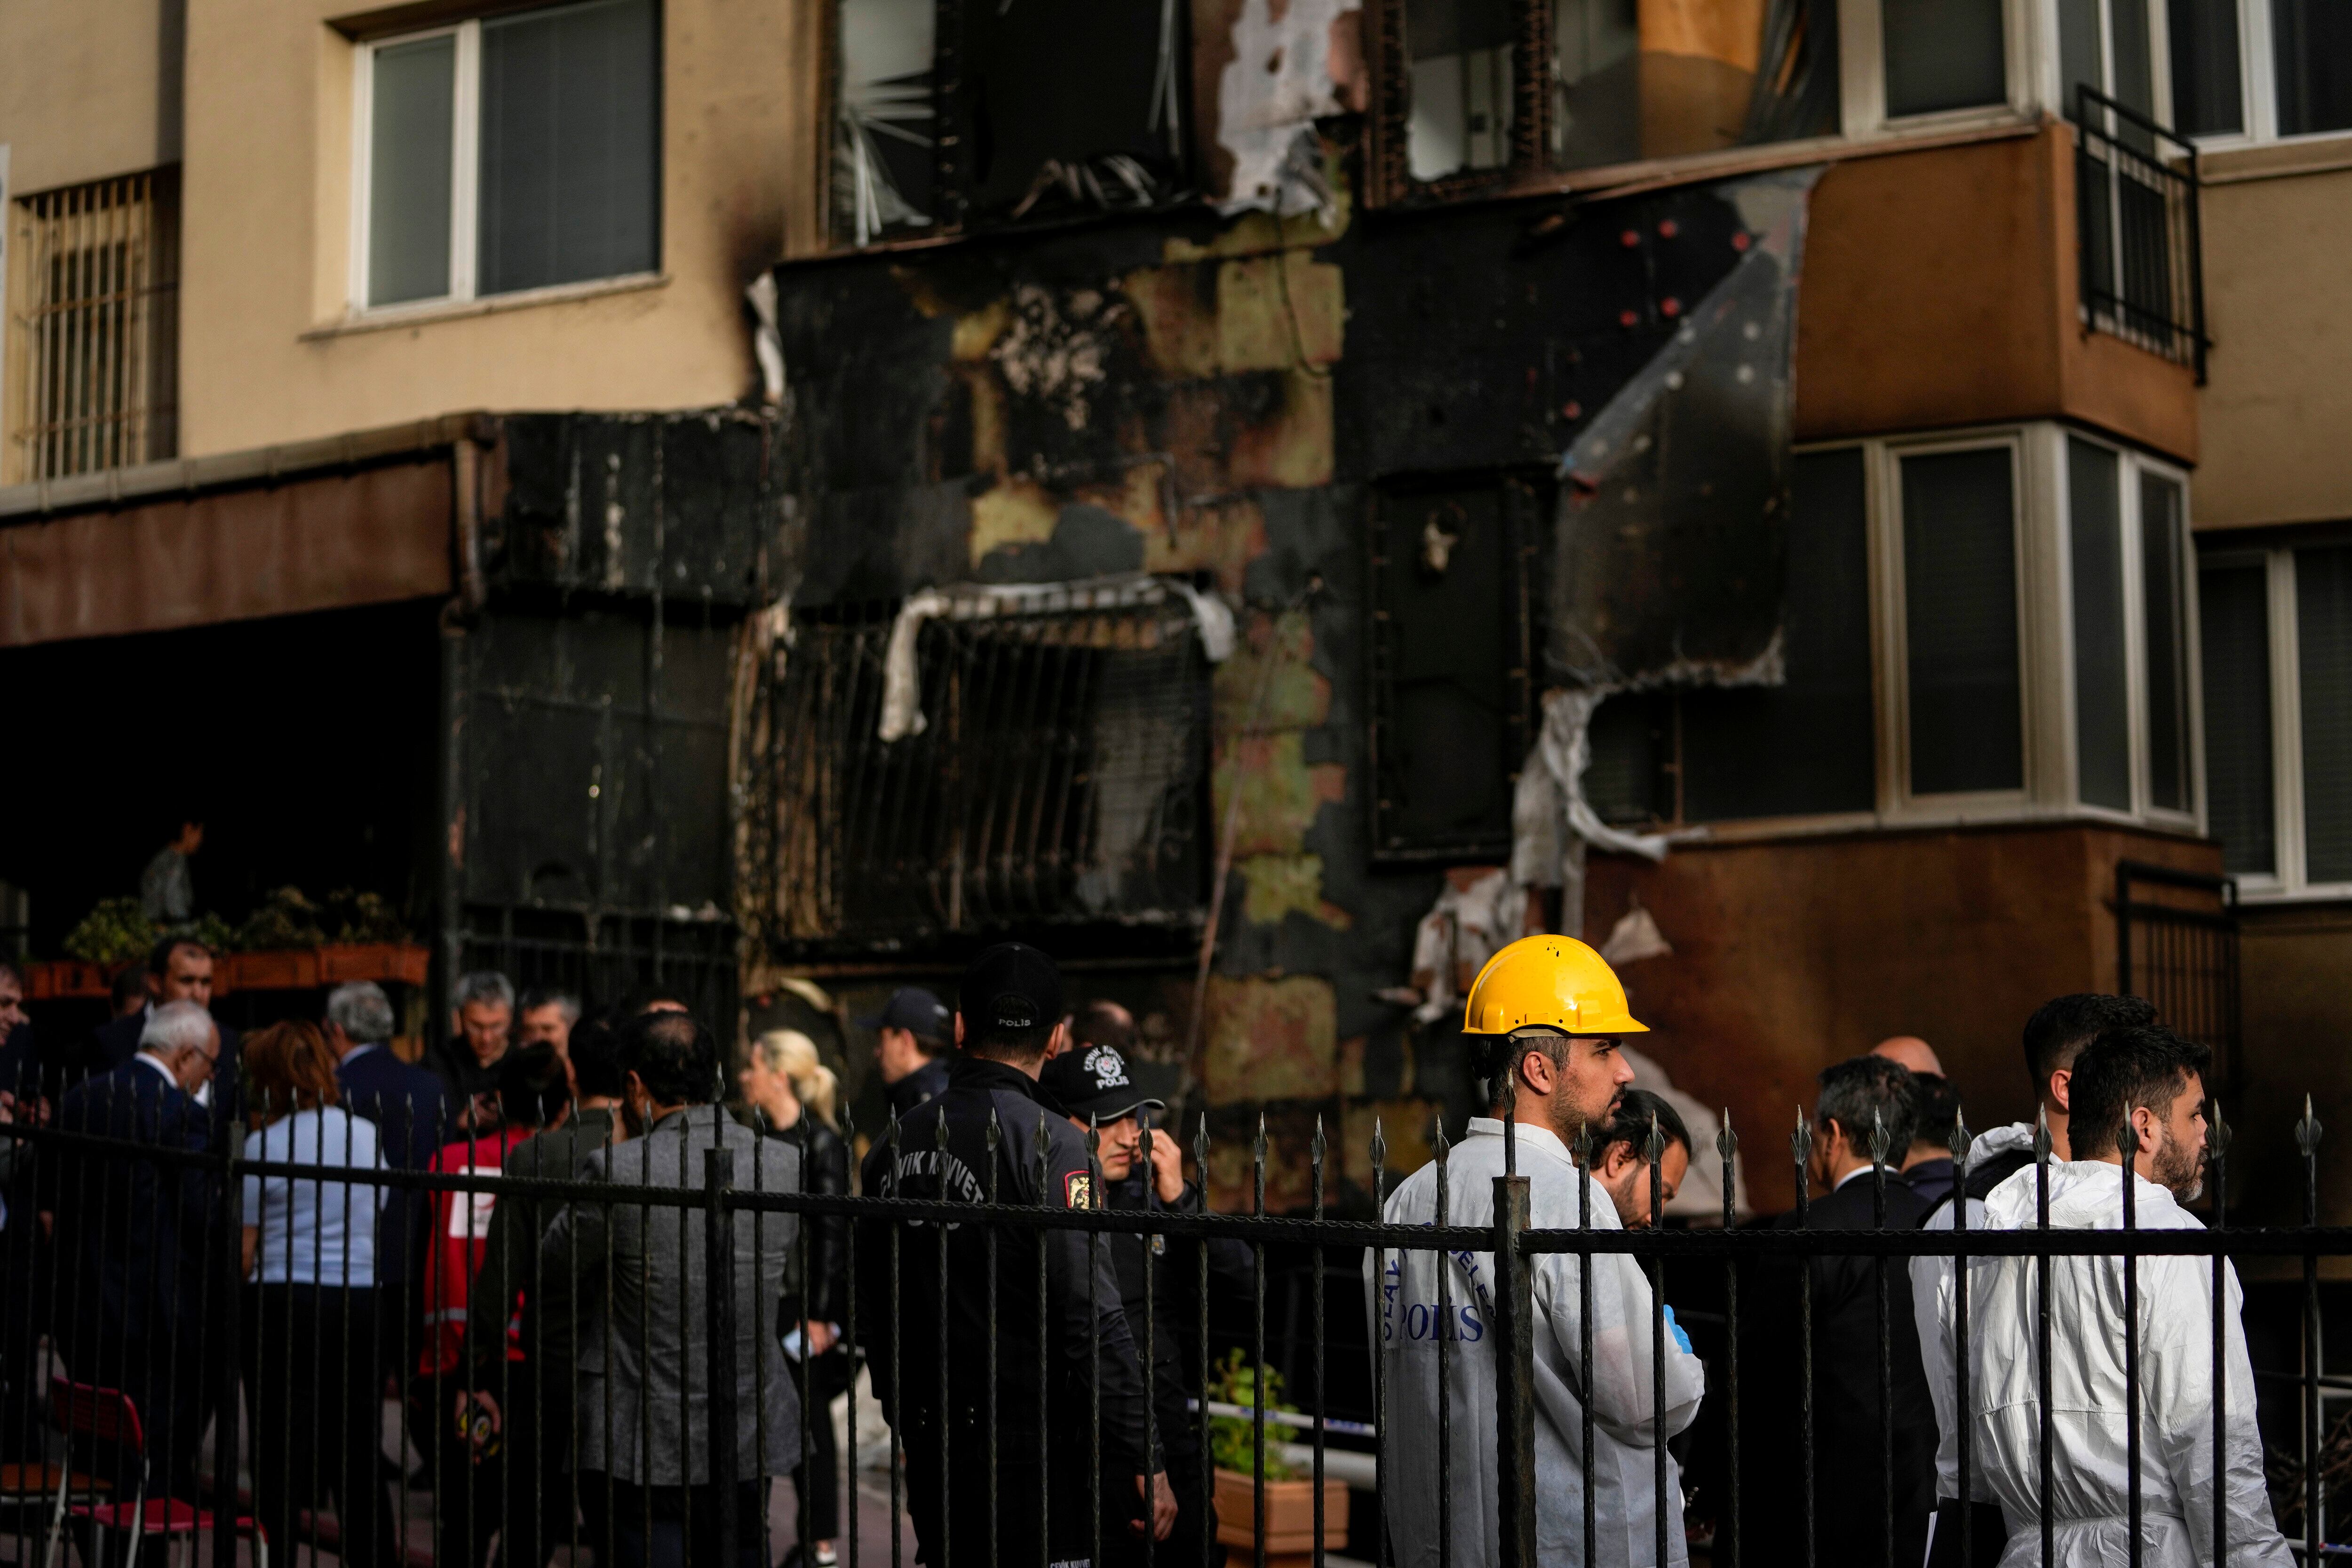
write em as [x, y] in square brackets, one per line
[2138, 1089]
[1551, 1013]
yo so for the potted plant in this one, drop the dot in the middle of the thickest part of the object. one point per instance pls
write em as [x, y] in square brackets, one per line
[1289, 1487]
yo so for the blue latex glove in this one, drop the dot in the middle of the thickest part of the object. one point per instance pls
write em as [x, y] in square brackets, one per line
[1676, 1328]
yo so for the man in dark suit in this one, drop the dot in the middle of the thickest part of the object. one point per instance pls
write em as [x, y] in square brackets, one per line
[179, 969]
[1861, 1437]
[405, 1104]
[133, 1234]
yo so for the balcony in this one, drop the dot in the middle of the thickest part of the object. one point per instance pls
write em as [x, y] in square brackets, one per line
[2041, 271]
[2137, 225]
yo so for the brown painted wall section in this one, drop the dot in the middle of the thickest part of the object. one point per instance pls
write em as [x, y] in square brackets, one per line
[1792, 954]
[363, 538]
[1940, 289]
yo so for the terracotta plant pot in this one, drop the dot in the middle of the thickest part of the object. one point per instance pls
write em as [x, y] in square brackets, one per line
[1290, 1520]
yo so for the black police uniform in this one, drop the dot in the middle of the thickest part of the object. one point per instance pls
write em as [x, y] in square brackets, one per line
[1037, 1479]
[1175, 1289]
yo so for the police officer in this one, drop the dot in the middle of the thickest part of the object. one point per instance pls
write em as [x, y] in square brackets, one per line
[910, 1047]
[988, 1454]
[1102, 1088]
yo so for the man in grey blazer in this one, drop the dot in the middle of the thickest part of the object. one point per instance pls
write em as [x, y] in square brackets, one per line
[636, 1276]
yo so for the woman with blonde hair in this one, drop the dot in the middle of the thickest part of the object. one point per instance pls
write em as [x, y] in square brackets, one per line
[309, 1311]
[794, 1094]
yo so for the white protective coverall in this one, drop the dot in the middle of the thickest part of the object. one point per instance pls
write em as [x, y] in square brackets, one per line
[2091, 1481]
[1406, 1324]
[1931, 1305]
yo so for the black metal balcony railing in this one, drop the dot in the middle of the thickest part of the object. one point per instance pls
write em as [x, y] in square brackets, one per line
[2142, 253]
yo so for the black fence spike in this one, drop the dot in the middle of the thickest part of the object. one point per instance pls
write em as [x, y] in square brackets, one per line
[1727, 1142]
[2308, 1130]
[1961, 1138]
[1878, 1136]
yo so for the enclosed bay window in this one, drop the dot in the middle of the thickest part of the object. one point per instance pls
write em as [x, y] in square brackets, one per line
[517, 151]
[2277, 649]
[2261, 70]
[1986, 625]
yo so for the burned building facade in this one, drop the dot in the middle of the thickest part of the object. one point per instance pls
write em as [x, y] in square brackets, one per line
[1265, 498]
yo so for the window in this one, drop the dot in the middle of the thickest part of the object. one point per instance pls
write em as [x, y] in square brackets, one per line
[93, 353]
[1943, 55]
[1983, 626]
[1805, 748]
[1056, 107]
[2260, 69]
[1464, 105]
[1964, 711]
[1456, 632]
[2278, 714]
[2125, 538]
[2104, 45]
[514, 153]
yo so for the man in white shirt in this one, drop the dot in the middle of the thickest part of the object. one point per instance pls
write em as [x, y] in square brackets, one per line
[1551, 1012]
[2141, 1086]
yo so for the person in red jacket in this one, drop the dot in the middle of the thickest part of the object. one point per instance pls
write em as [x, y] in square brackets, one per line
[468, 1470]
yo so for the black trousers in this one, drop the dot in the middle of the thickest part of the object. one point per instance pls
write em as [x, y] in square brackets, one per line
[818, 1481]
[311, 1381]
[1186, 1543]
[678, 1527]
[1065, 1528]
[468, 1487]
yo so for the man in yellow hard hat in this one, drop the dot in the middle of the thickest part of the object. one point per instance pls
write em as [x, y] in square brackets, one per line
[1550, 1013]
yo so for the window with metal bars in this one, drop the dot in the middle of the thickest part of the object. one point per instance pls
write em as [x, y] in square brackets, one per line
[94, 340]
[1059, 776]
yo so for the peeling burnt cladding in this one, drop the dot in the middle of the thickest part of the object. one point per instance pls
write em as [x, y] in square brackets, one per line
[1480, 337]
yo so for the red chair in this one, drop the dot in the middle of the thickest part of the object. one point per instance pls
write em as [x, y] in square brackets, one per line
[107, 1415]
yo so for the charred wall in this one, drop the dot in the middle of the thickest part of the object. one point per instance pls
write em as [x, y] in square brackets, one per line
[1179, 395]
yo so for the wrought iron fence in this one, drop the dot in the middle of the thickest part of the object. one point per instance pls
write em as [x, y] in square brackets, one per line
[2142, 249]
[134, 1227]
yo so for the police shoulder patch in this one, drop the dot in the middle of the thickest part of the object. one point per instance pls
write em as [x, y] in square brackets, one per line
[1078, 1190]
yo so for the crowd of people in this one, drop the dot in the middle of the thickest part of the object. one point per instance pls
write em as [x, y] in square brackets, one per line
[1877, 1478]
[549, 1342]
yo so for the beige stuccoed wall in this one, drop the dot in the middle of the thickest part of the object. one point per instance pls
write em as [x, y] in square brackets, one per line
[84, 92]
[2277, 409]
[266, 353]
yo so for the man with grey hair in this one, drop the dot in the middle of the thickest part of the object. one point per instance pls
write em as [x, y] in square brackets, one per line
[128, 1231]
[481, 1030]
[548, 1014]
[405, 1104]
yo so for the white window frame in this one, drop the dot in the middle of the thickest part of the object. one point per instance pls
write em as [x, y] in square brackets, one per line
[2286, 881]
[464, 156]
[1862, 71]
[2257, 88]
[2130, 465]
[2051, 766]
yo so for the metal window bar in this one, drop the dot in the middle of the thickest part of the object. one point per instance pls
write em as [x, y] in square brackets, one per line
[2183, 957]
[2141, 244]
[95, 336]
[1061, 777]
[107, 1167]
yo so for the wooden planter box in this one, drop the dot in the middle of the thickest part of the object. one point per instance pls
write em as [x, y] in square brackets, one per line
[399, 960]
[63, 977]
[287, 969]
[1289, 1518]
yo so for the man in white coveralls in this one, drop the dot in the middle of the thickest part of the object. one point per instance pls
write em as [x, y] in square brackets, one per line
[1553, 1012]
[2154, 1081]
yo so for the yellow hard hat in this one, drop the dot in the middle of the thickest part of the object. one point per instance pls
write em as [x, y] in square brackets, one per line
[1553, 980]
